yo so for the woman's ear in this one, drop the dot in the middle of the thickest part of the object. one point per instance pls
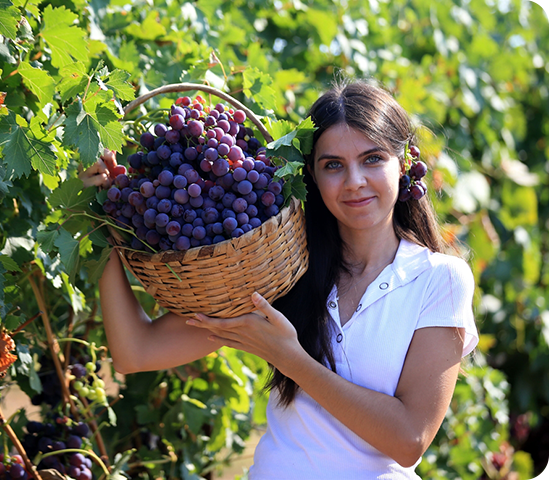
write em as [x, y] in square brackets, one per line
[312, 172]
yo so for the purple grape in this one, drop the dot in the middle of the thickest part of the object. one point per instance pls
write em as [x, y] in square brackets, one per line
[246, 227]
[172, 136]
[176, 159]
[229, 224]
[191, 153]
[187, 229]
[223, 149]
[259, 166]
[255, 222]
[76, 459]
[216, 192]
[162, 191]
[268, 198]
[416, 192]
[262, 181]
[210, 215]
[173, 228]
[147, 140]
[163, 152]
[152, 237]
[182, 243]
[418, 170]
[227, 213]
[237, 232]
[152, 158]
[242, 144]
[275, 187]
[239, 174]
[239, 205]
[189, 216]
[81, 429]
[220, 167]
[78, 370]
[196, 128]
[252, 211]
[122, 180]
[218, 239]
[271, 210]
[16, 471]
[196, 202]
[251, 197]
[181, 196]
[164, 206]
[162, 220]
[233, 127]
[194, 190]
[279, 200]
[177, 121]
[223, 124]
[228, 199]
[235, 153]
[136, 199]
[211, 154]
[242, 218]
[165, 178]
[245, 187]
[125, 194]
[194, 114]
[191, 175]
[199, 232]
[85, 474]
[253, 176]
[227, 140]
[114, 194]
[212, 142]
[253, 144]
[160, 129]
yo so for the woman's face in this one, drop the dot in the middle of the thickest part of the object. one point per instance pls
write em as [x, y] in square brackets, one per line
[358, 180]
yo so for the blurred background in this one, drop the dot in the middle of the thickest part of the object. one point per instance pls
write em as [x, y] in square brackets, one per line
[474, 75]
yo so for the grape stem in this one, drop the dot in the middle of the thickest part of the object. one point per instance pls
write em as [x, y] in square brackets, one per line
[17, 444]
[23, 325]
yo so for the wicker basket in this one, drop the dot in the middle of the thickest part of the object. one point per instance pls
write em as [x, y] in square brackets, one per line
[218, 280]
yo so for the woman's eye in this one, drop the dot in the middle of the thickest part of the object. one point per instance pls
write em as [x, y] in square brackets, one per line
[374, 159]
[331, 165]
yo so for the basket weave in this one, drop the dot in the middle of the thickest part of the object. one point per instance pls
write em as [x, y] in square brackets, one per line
[218, 280]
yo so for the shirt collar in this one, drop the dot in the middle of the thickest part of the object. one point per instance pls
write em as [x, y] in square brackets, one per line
[410, 261]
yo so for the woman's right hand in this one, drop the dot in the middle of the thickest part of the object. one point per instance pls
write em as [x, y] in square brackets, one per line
[101, 173]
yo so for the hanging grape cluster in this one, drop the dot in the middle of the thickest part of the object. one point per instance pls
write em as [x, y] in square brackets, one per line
[201, 178]
[411, 185]
[12, 468]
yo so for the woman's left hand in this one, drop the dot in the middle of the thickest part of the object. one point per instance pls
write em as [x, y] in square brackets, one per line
[267, 334]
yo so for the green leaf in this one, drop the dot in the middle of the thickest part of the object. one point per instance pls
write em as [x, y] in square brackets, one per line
[9, 264]
[71, 196]
[294, 187]
[289, 169]
[148, 29]
[65, 40]
[74, 80]
[4, 184]
[38, 82]
[305, 133]
[68, 251]
[9, 18]
[95, 267]
[108, 126]
[25, 147]
[117, 82]
[81, 131]
[46, 239]
[257, 86]
[325, 24]
[280, 128]
[112, 421]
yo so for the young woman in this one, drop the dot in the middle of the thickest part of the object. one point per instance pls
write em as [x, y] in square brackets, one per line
[366, 348]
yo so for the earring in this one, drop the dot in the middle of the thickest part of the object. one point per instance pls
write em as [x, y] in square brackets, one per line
[410, 184]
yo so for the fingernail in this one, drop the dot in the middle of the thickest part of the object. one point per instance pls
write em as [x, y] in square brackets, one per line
[190, 322]
[256, 297]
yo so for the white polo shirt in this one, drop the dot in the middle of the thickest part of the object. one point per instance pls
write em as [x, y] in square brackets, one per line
[419, 289]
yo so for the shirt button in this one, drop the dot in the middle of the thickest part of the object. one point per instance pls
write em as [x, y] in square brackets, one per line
[359, 307]
[339, 338]
[384, 286]
[332, 305]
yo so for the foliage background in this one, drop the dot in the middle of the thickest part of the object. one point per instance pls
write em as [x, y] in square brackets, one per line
[475, 73]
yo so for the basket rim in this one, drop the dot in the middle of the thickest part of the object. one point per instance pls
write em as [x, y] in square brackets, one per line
[203, 250]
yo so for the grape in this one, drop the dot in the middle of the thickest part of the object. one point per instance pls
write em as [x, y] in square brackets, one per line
[220, 167]
[163, 152]
[239, 205]
[165, 178]
[239, 116]
[223, 124]
[227, 140]
[195, 114]
[73, 441]
[223, 149]
[196, 128]
[228, 199]
[16, 471]
[242, 218]
[160, 129]
[205, 165]
[251, 211]
[191, 175]
[196, 202]
[194, 190]
[172, 136]
[181, 196]
[275, 187]
[237, 232]
[162, 191]
[173, 228]
[189, 216]
[239, 174]
[246, 227]
[253, 176]
[210, 215]
[152, 158]
[177, 120]
[78, 371]
[268, 198]
[271, 210]
[125, 194]
[212, 142]
[240, 142]
[73, 471]
[218, 239]
[147, 140]
[114, 194]
[251, 197]
[418, 170]
[136, 199]
[58, 445]
[245, 187]
[122, 180]
[81, 429]
[220, 107]
[255, 222]
[199, 232]
[414, 151]
[404, 181]
[235, 153]
[227, 213]
[229, 224]
[211, 154]
[183, 243]
[216, 192]
[164, 206]
[191, 153]
[162, 220]
[152, 237]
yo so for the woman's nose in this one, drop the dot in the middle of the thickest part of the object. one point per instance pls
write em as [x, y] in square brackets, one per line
[355, 179]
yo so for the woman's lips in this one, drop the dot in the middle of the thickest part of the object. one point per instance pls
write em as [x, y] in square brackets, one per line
[360, 202]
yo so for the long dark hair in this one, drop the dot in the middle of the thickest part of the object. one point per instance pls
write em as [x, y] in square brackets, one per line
[373, 111]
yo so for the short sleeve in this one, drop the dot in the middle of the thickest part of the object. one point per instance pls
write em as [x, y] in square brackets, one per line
[448, 300]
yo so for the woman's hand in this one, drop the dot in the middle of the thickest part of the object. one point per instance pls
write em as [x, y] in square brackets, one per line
[267, 334]
[101, 173]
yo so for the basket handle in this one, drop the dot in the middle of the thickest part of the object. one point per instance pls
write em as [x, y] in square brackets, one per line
[184, 87]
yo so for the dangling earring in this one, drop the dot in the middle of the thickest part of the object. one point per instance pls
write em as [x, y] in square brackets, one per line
[410, 184]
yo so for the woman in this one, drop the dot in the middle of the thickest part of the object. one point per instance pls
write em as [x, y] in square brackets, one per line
[366, 348]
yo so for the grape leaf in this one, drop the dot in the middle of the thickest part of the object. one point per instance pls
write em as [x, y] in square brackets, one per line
[289, 168]
[294, 187]
[9, 264]
[75, 80]
[280, 128]
[46, 239]
[4, 184]
[117, 82]
[257, 86]
[30, 6]
[70, 195]
[24, 147]
[148, 29]
[38, 82]
[108, 126]
[305, 133]
[9, 18]
[66, 41]
[68, 252]
[81, 131]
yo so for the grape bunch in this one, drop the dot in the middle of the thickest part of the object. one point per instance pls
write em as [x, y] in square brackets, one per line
[57, 435]
[12, 468]
[411, 185]
[200, 179]
[87, 383]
